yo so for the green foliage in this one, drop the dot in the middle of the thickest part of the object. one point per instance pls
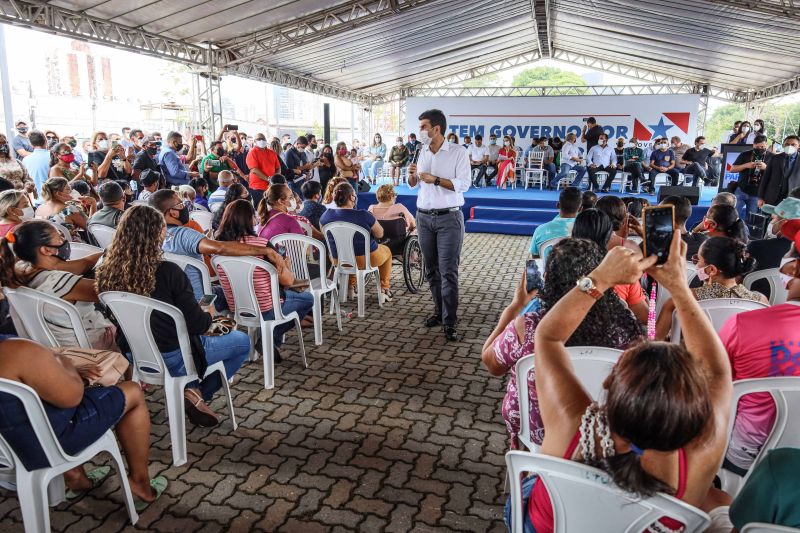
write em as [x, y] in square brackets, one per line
[490, 80]
[780, 120]
[721, 121]
[546, 77]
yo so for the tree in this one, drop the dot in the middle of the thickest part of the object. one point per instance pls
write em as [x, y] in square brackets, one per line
[547, 77]
[490, 80]
[722, 120]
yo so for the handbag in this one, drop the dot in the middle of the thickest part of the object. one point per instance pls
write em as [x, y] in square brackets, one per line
[220, 325]
[111, 365]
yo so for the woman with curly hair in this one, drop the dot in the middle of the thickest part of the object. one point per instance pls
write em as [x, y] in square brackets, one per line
[134, 263]
[609, 324]
[327, 197]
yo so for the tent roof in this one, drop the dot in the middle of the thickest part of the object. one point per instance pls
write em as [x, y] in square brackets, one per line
[368, 48]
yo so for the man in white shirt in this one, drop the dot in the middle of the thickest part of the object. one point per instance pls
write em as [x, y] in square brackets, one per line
[494, 154]
[602, 158]
[478, 160]
[443, 176]
[571, 159]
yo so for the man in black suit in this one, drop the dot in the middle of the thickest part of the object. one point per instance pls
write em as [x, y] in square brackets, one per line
[781, 175]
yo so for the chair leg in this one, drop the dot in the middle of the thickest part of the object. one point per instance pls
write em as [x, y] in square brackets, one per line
[227, 388]
[173, 392]
[317, 313]
[300, 340]
[113, 449]
[335, 299]
[32, 494]
[343, 282]
[269, 355]
[378, 286]
[360, 283]
[253, 334]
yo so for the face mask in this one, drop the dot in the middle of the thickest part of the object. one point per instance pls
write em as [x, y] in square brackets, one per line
[22, 130]
[786, 279]
[399, 143]
[75, 194]
[51, 143]
[745, 129]
[292, 204]
[506, 143]
[342, 152]
[220, 152]
[63, 251]
[631, 145]
[102, 145]
[451, 141]
[261, 143]
[702, 146]
[759, 151]
[183, 215]
[27, 213]
[67, 158]
[708, 225]
[790, 150]
[702, 275]
[73, 143]
[756, 128]
[493, 142]
[4, 149]
[152, 151]
[601, 142]
[313, 146]
[664, 147]
[424, 137]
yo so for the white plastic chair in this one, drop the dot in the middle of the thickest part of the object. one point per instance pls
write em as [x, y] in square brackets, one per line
[104, 235]
[718, 310]
[185, 261]
[29, 321]
[535, 172]
[601, 177]
[567, 180]
[247, 312]
[662, 294]
[306, 228]
[592, 365]
[785, 391]
[544, 248]
[760, 527]
[777, 292]
[79, 250]
[585, 498]
[32, 485]
[203, 218]
[342, 234]
[133, 312]
[297, 251]
[661, 179]
[62, 230]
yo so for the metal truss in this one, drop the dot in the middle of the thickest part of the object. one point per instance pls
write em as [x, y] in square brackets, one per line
[483, 70]
[208, 104]
[772, 91]
[702, 111]
[540, 10]
[781, 8]
[50, 18]
[315, 26]
[586, 90]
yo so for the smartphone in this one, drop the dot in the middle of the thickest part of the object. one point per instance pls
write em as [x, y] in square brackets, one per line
[233, 127]
[207, 300]
[659, 225]
[198, 137]
[533, 278]
[281, 249]
[114, 144]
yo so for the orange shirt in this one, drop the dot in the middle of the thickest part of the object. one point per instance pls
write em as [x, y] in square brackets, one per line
[267, 162]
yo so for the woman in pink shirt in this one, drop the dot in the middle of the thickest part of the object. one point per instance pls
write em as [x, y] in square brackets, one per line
[273, 217]
[387, 209]
[15, 208]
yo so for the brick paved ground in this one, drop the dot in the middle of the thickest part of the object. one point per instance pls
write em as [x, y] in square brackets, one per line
[389, 429]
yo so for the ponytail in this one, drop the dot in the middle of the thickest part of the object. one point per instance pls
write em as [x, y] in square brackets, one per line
[8, 274]
[26, 238]
[52, 186]
[627, 472]
[342, 193]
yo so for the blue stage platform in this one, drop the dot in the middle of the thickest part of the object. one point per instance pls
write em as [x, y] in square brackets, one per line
[513, 212]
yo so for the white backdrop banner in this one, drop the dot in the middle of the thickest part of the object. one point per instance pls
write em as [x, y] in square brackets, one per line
[525, 118]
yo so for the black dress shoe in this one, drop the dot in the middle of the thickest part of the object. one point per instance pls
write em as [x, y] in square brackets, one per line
[451, 333]
[433, 321]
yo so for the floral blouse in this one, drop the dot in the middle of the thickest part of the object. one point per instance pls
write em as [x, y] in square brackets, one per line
[13, 170]
[508, 350]
[713, 290]
[61, 218]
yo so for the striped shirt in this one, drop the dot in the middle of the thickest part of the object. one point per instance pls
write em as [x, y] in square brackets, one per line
[261, 280]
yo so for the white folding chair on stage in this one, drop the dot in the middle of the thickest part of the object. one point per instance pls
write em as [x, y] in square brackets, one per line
[184, 261]
[661, 179]
[785, 432]
[585, 498]
[718, 310]
[342, 234]
[203, 218]
[601, 177]
[535, 172]
[567, 180]
[132, 312]
[104, 235]
[247, 312]
[38, 488]
[79, 250]
[29, 320]
[623, 183]
[297, 251]
[592, 365]
[759, 527]
[777, 292]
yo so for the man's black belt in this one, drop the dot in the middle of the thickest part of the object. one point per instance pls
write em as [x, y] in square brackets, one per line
[436, 212]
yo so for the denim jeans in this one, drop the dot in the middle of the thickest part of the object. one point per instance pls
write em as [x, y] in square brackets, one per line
[565, 168]
[371, 169]
[746, 204]
[232, 349]
[697, 171]
[302, 302]
[527, 488]
[551, 169]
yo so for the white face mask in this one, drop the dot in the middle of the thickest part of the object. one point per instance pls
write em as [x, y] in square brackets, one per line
[786, 279]
[27, 213]
[745, 129]
[451, 141]
[424, 138]
[261, 143]
[292, 204]
[102, 145]
[756, 128]
[601, 142]
[506, 143]
[663, 146]
[790, 149]
[631, 145]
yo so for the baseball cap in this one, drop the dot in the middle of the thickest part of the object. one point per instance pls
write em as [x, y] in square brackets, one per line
[788, 208]
[791, 231]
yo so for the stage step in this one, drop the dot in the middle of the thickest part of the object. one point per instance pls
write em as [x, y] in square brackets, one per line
[505, 227]
[521, 214]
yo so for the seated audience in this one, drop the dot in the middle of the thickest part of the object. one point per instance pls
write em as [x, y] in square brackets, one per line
[621, 222]
[175, 171]
[44, 265]
[237, 226]
[327, 198]
[507, 161]
[571, 159]
[348, 169]
[107, 160]
[61, 207]
[387, 208]
[569, 202]
[324, 170]
[113, 199]
[662, 161]
[478, 161]
[632, 161]
[78, 415]
[236, 191]
[11, 168]
[723, 221]
[662, 426]
[720, 263]
[216, 199]
[150, 180]
[547, 154]
[147, 158]
[312, 209]
[771, 492]
[200, 187]
[602, 158]
[15, 208]
[134, 263]
[37, 164]
[683, 210]
[380, 255]
[65, 164]
[695, 161]
[588, 200]
[398, 158]
[273, 213]
[608, 324]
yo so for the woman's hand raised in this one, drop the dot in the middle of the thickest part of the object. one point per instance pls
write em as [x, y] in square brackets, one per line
[672, 274]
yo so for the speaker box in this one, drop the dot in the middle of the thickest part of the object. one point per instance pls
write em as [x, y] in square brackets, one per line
[692, 193]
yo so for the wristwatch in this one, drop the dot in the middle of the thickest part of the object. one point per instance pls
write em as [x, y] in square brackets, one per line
[437, 181]
[586, 285]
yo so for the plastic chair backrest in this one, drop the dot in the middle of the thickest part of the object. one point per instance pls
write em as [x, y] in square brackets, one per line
[777, 292]
[342, 234]
[104, 235]
[662, 294]
[37, 417]
[63, 230]
[185, 261]
[760, 527]
[132, 312]
[203, 218]
[29, 305]
[297, 252]
[592, 365]
[544, 248]
[240, 271]
[718, 310]
[79, 250]
[307, 228]
[785, 391]
[584, 497]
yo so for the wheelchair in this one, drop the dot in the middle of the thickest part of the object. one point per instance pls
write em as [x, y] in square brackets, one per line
[406, 251]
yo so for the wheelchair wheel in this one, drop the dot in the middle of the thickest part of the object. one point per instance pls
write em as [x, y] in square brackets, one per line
[413, 269]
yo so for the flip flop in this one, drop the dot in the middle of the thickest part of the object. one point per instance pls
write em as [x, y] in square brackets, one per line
[159, 484]
[96, 476]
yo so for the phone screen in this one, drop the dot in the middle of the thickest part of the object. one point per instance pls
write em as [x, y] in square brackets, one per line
[533, 279]
[658, 229]
[207, 300]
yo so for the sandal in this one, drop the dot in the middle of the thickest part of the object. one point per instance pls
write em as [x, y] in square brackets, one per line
[158, 484]
[96, 476]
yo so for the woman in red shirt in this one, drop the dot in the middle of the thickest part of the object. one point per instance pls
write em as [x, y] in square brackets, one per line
[507, 168]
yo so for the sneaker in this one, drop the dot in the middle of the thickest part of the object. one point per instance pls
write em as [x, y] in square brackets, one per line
[386, 296]
[433, 321]
[451, 333]
[198, 412]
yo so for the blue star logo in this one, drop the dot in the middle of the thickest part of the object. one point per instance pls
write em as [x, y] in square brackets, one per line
[660, 129]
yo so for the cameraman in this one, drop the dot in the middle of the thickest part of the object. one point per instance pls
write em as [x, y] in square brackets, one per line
[751, 166]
